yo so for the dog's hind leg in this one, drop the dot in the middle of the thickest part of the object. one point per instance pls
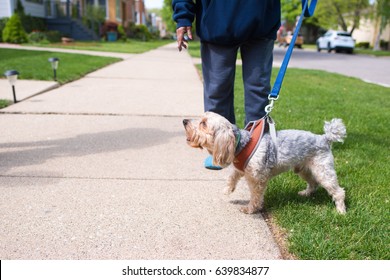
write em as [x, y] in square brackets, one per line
[324, 173]
[233, 179]
[306, 175]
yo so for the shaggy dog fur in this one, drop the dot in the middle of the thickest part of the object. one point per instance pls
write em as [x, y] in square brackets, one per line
[308, 154]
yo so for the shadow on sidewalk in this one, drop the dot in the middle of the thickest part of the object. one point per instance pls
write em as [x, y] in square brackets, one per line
[37, 152]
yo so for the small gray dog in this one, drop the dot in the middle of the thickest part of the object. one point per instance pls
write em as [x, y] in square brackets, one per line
[306, 153]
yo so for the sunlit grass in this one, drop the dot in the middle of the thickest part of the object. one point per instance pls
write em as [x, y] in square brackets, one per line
[34, 65]
[130, 46]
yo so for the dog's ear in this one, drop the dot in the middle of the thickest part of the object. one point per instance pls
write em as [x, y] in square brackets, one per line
[224, 147]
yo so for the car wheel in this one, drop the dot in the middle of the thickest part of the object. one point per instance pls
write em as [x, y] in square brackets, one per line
[329, 48]
[318, 47]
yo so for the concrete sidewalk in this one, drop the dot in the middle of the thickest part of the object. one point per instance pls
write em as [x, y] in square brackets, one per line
[99, 169]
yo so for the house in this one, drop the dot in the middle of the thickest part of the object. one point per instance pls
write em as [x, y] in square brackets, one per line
[66, 15]
[126, 11]
[158, 25]
[368, 31]
[34, 8]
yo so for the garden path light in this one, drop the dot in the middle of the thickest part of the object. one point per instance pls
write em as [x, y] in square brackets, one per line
[54, 65]
[12, 76]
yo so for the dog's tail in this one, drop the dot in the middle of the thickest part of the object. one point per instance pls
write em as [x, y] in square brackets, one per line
[335, 131]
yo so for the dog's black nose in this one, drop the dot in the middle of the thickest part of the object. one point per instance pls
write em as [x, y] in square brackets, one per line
[185, 121]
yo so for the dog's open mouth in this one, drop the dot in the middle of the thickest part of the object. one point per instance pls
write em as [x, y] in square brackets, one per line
[188, 134]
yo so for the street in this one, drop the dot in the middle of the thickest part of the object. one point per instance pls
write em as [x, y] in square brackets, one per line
[368, 68]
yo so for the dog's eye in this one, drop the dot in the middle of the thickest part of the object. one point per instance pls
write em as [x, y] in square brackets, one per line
[203, 124]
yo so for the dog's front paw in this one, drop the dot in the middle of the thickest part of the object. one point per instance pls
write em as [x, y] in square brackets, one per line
[228, 190]
[248, 209]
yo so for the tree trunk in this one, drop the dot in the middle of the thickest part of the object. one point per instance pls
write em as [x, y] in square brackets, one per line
[377, 41]
[341, 19]
[353, 28]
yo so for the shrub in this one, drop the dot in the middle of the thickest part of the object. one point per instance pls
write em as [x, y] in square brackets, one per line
[13, 31]
[122, 33]
[384, 44]
[363, 45]
[3, 22]
[53, 36]
[155, 34]
[139, 32]
[37, 37]
[44, 37]
[130, 29]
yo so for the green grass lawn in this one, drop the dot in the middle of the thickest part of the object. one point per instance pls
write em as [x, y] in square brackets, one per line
[4, 103]
[355, 51]
[194, 48]
[130, 46]
[313, 228]
[371, 52]
[34, 65]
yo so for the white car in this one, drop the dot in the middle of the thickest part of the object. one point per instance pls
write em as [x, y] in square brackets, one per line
[337, 41]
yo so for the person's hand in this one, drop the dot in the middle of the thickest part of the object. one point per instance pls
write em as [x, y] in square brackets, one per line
[182, 42]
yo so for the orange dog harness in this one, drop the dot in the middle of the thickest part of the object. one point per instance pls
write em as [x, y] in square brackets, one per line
[256, 129]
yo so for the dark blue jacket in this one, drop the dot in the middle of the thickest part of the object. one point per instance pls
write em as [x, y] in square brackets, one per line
[229, 22]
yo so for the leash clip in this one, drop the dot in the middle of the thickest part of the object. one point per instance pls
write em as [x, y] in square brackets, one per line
[270, 106]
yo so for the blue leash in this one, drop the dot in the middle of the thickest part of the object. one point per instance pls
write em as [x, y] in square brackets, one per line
[307, 11]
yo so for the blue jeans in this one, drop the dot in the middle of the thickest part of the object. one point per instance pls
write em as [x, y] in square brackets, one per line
[219, 67]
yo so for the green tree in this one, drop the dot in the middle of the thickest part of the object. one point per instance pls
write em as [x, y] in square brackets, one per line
[291, 9]
[29, 22]
[13, 31]
[94, 17]
[344, 14]
[166, 14]
[19, 8]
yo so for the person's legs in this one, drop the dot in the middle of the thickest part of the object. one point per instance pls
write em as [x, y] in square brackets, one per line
[257, 60]
[218, 69]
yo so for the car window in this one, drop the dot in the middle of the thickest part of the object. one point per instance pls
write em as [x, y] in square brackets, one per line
[344, 34]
